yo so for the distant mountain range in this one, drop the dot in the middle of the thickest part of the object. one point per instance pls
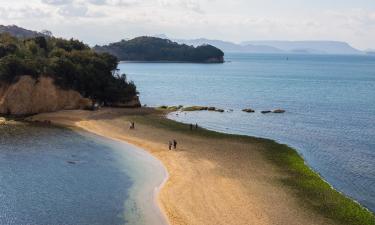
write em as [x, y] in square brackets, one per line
[280, 47]
[302, 47]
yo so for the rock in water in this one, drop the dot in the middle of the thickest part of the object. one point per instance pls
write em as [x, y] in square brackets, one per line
[30, 96]
[248, 110]
[278, 111]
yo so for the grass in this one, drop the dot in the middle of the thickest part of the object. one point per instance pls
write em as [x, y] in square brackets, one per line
[308, 186]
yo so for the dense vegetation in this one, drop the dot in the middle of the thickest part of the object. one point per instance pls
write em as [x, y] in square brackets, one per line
[157, 49]
[71, 63]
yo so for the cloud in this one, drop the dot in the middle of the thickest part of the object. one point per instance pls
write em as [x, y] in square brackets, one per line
[119, 2]
[192, 5]
[238, 20]
[74, 10]
[57, 2]
[22, 13]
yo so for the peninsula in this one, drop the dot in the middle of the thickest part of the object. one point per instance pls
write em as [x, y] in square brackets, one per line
[217, 178]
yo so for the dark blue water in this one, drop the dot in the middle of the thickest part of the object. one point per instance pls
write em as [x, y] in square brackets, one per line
[330, 103]
[57, 176]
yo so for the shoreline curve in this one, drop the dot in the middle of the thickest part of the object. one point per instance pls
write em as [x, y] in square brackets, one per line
[260, 181]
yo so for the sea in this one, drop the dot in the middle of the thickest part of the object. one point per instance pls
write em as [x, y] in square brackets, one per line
[329, 102]
[51, 175]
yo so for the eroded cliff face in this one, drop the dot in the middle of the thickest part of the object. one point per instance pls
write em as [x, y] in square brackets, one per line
[30, 96]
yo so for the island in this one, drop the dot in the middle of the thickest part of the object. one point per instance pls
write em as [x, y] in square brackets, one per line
[158, 50]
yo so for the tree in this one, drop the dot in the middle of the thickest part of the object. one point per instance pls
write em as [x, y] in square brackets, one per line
[71, 63]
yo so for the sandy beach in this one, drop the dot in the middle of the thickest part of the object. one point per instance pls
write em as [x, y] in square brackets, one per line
[211, 180]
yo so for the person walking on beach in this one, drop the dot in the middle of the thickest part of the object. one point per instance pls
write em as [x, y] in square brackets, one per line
[191, 126]
[196, 126]
[170, 145]
[174, 144]
[131, 125]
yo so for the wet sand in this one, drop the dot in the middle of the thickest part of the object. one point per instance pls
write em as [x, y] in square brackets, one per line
[211, 181]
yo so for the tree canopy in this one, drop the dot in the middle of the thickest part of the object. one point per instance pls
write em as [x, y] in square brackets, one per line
[71, 63]
[157, 49]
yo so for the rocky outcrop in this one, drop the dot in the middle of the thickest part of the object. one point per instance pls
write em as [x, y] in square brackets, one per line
[278, 111]
[29, 96]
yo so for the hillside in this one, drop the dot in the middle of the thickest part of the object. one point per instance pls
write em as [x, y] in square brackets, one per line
[71, 64]
[158, 49]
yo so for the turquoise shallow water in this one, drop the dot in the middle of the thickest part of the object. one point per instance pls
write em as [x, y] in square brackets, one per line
[56, 176]
[330, 103]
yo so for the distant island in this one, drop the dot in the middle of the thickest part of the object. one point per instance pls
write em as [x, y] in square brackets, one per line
[43, 74]
[277, 47]
[159, 49]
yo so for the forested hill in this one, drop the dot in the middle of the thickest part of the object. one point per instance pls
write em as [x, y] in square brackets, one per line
[72, 64]
[158, 49]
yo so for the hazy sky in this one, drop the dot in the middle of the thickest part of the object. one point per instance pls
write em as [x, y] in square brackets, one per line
[103, 21]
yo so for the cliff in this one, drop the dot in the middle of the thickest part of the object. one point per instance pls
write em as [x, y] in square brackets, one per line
[30, 96]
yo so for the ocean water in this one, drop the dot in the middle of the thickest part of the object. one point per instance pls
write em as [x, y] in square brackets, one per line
[329, 103]
[57, 176]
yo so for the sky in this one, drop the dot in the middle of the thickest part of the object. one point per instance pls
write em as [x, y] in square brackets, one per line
[104, 21]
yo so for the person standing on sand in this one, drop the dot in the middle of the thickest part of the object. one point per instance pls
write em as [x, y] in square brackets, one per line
[196, 126]
[191, 126]
[170, 145]
[174, 144]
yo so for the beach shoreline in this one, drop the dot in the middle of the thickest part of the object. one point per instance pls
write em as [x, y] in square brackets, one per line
[268, 209]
